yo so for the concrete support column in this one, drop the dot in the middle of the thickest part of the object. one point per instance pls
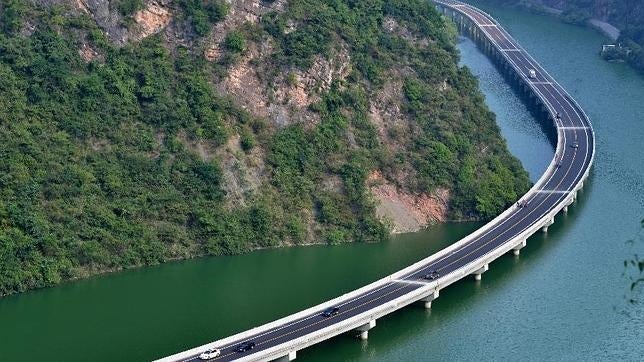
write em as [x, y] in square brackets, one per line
[287, 358]
[364, 329]
[477, 274]
[574, 197]
[548, 223]
[568, 203]
[428, 299]
[517, 249]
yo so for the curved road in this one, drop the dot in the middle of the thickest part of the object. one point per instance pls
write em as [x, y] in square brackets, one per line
[566, 173]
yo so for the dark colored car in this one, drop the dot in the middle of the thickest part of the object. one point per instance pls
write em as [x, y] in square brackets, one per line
[245, 346]
[432, 275]
[575, 145]
[330, 312]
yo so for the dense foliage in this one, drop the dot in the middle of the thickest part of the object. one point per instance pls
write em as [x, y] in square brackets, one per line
[95, 169]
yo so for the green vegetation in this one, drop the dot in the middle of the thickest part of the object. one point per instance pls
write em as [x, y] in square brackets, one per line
[11, 13]
[235, 42]
[97, 172]
[202, 13]
[444, 156]
[129, 7]
[633, 40]
[84, 184]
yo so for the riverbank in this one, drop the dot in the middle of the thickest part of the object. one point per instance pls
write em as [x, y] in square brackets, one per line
[605, 28]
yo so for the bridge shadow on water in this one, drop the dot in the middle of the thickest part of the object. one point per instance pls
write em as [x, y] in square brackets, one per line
[407, 325]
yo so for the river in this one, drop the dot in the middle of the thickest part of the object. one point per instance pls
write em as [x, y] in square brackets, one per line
[562, 299]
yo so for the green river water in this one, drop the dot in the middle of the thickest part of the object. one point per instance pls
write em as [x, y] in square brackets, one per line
[563, 299]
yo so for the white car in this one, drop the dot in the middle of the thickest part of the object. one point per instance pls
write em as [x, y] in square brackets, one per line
[210, 353]
[532, 74]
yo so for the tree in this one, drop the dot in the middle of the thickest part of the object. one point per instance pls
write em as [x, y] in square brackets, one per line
[235, 42]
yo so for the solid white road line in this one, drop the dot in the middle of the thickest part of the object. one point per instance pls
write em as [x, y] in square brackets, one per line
[553, 192]
[410, 281]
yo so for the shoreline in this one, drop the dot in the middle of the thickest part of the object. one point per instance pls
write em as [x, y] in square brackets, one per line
[607, 29]
[86, 275]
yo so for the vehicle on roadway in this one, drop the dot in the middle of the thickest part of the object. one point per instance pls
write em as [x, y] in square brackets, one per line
[434, 274]
[575, 145]
[245, 346]
[532, 74]
[330, 312]
[210, 354]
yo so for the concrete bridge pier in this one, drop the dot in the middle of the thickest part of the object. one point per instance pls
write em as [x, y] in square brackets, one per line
[429, 299]
[364, 329]
[565, 209]
[287, 358]
[477, 274]
[517, 249]
[547, 224]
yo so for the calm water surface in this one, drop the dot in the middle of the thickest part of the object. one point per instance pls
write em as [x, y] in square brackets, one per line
[563, 299]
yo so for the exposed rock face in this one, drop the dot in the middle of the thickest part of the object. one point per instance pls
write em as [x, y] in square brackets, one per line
[386, 114]
[390, 25]
[241, 11]
[404, 211]
[284, 100]
[243, 173]
[108, 19]
[294, 96]
[154, 18]
[88, 53]
[243, 83]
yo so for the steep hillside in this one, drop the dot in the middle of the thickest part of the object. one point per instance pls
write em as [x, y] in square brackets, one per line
[132, 133]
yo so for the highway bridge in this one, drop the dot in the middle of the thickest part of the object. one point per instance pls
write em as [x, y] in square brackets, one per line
[556, 189]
